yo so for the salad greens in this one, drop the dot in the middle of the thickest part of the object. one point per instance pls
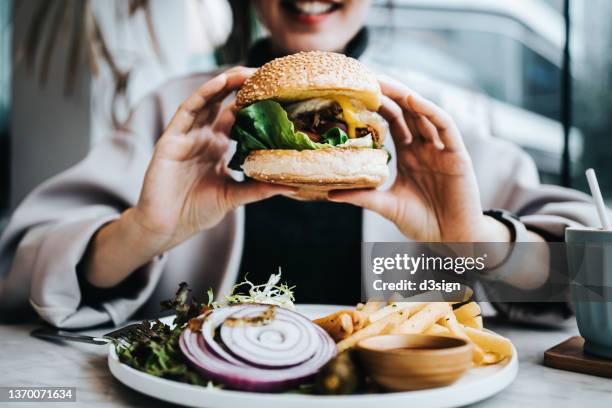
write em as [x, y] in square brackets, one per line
[336, 136]
[265, 125]
[269, 293]
[158, 352]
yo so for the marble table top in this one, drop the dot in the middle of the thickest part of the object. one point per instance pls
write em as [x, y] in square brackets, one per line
[26, 361]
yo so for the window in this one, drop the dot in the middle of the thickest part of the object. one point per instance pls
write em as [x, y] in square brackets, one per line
[500, 66]
[5, 98]
[541, 90]
[592, 110]
[510, 51]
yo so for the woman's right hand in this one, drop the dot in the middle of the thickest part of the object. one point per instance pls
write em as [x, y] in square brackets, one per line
[187, 186]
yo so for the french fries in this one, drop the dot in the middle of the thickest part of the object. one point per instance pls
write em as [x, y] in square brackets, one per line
[456, 330]
[437, 330]
[423, 319]
[469, 315]
[474, 322]
[491, 358]
[409, 307]
[490, 342]
[380, 326]
[342, 324]
[369, 307]
[348, 327]
[467, 311]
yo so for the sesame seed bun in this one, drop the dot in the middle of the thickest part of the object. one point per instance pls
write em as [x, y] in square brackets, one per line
[312, 74]
[316, 172]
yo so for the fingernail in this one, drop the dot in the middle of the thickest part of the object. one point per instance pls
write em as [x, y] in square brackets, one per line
[332, 196]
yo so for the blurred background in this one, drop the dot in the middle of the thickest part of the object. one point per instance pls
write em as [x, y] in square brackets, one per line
[70, 70]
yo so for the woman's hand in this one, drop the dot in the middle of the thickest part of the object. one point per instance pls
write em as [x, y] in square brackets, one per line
[187, 187]
[435, 196]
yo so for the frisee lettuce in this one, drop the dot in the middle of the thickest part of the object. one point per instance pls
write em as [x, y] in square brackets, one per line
[270, 293]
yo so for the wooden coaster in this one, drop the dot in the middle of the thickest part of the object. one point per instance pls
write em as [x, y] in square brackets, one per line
[569, 356]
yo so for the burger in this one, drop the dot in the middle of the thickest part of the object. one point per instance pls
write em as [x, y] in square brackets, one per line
[309, 120]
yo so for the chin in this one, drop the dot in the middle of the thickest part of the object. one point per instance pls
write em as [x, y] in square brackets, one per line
[312, 42]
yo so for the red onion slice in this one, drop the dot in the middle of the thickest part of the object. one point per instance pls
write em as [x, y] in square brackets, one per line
[258, 358]
[287, 340]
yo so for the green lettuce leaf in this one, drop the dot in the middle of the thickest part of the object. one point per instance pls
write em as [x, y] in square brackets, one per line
[335, 136]
[265, 125]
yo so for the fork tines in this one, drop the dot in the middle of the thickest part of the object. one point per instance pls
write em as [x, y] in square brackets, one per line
[126, 333]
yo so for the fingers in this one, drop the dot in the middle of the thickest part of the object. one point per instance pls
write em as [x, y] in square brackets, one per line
[394, 90]
[226, 118]
[429, 132]
[431, 122]
[381, 202]
[438, 117]
[398, 125]
[250, 191]
[187, 113]
[208, 115]
[406, 125]
[212, 91]
[212, 147]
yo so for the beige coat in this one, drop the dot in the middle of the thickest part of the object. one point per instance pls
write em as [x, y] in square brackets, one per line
[49, 232]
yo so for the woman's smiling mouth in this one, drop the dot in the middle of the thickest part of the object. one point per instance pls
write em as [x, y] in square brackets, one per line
[310, 11]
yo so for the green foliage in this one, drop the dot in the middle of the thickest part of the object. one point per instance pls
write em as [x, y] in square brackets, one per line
[265, 125]
[158, 353]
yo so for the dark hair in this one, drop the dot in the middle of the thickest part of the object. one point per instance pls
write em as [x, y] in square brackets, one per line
[243, 31]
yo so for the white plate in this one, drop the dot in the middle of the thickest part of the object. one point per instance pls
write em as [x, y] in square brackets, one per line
[477, 384]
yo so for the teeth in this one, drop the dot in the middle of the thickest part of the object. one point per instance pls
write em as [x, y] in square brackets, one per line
[313, 7]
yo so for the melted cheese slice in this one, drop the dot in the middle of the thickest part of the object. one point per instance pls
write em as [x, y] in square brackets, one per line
[348, 112]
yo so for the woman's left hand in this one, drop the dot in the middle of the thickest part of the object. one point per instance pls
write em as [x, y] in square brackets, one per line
[435, 196]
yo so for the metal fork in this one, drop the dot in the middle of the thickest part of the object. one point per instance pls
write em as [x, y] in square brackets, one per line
[121, 335]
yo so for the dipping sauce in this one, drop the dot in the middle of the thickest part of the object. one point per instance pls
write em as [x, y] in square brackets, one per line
[406, 362]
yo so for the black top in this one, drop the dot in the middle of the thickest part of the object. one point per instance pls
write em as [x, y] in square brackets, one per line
[317, 244]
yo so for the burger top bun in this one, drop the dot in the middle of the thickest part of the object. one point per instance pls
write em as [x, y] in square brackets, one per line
[308, 75]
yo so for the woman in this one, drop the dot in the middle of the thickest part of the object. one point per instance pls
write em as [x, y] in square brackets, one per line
[154, 206]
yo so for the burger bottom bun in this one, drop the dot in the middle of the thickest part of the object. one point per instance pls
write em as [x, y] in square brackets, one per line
[316, 172]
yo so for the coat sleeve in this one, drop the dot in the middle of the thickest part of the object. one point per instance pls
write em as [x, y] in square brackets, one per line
[547, 210]
[44, 242]
[508, 179]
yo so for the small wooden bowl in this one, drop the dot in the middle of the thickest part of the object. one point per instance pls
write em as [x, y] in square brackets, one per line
[406, 362]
